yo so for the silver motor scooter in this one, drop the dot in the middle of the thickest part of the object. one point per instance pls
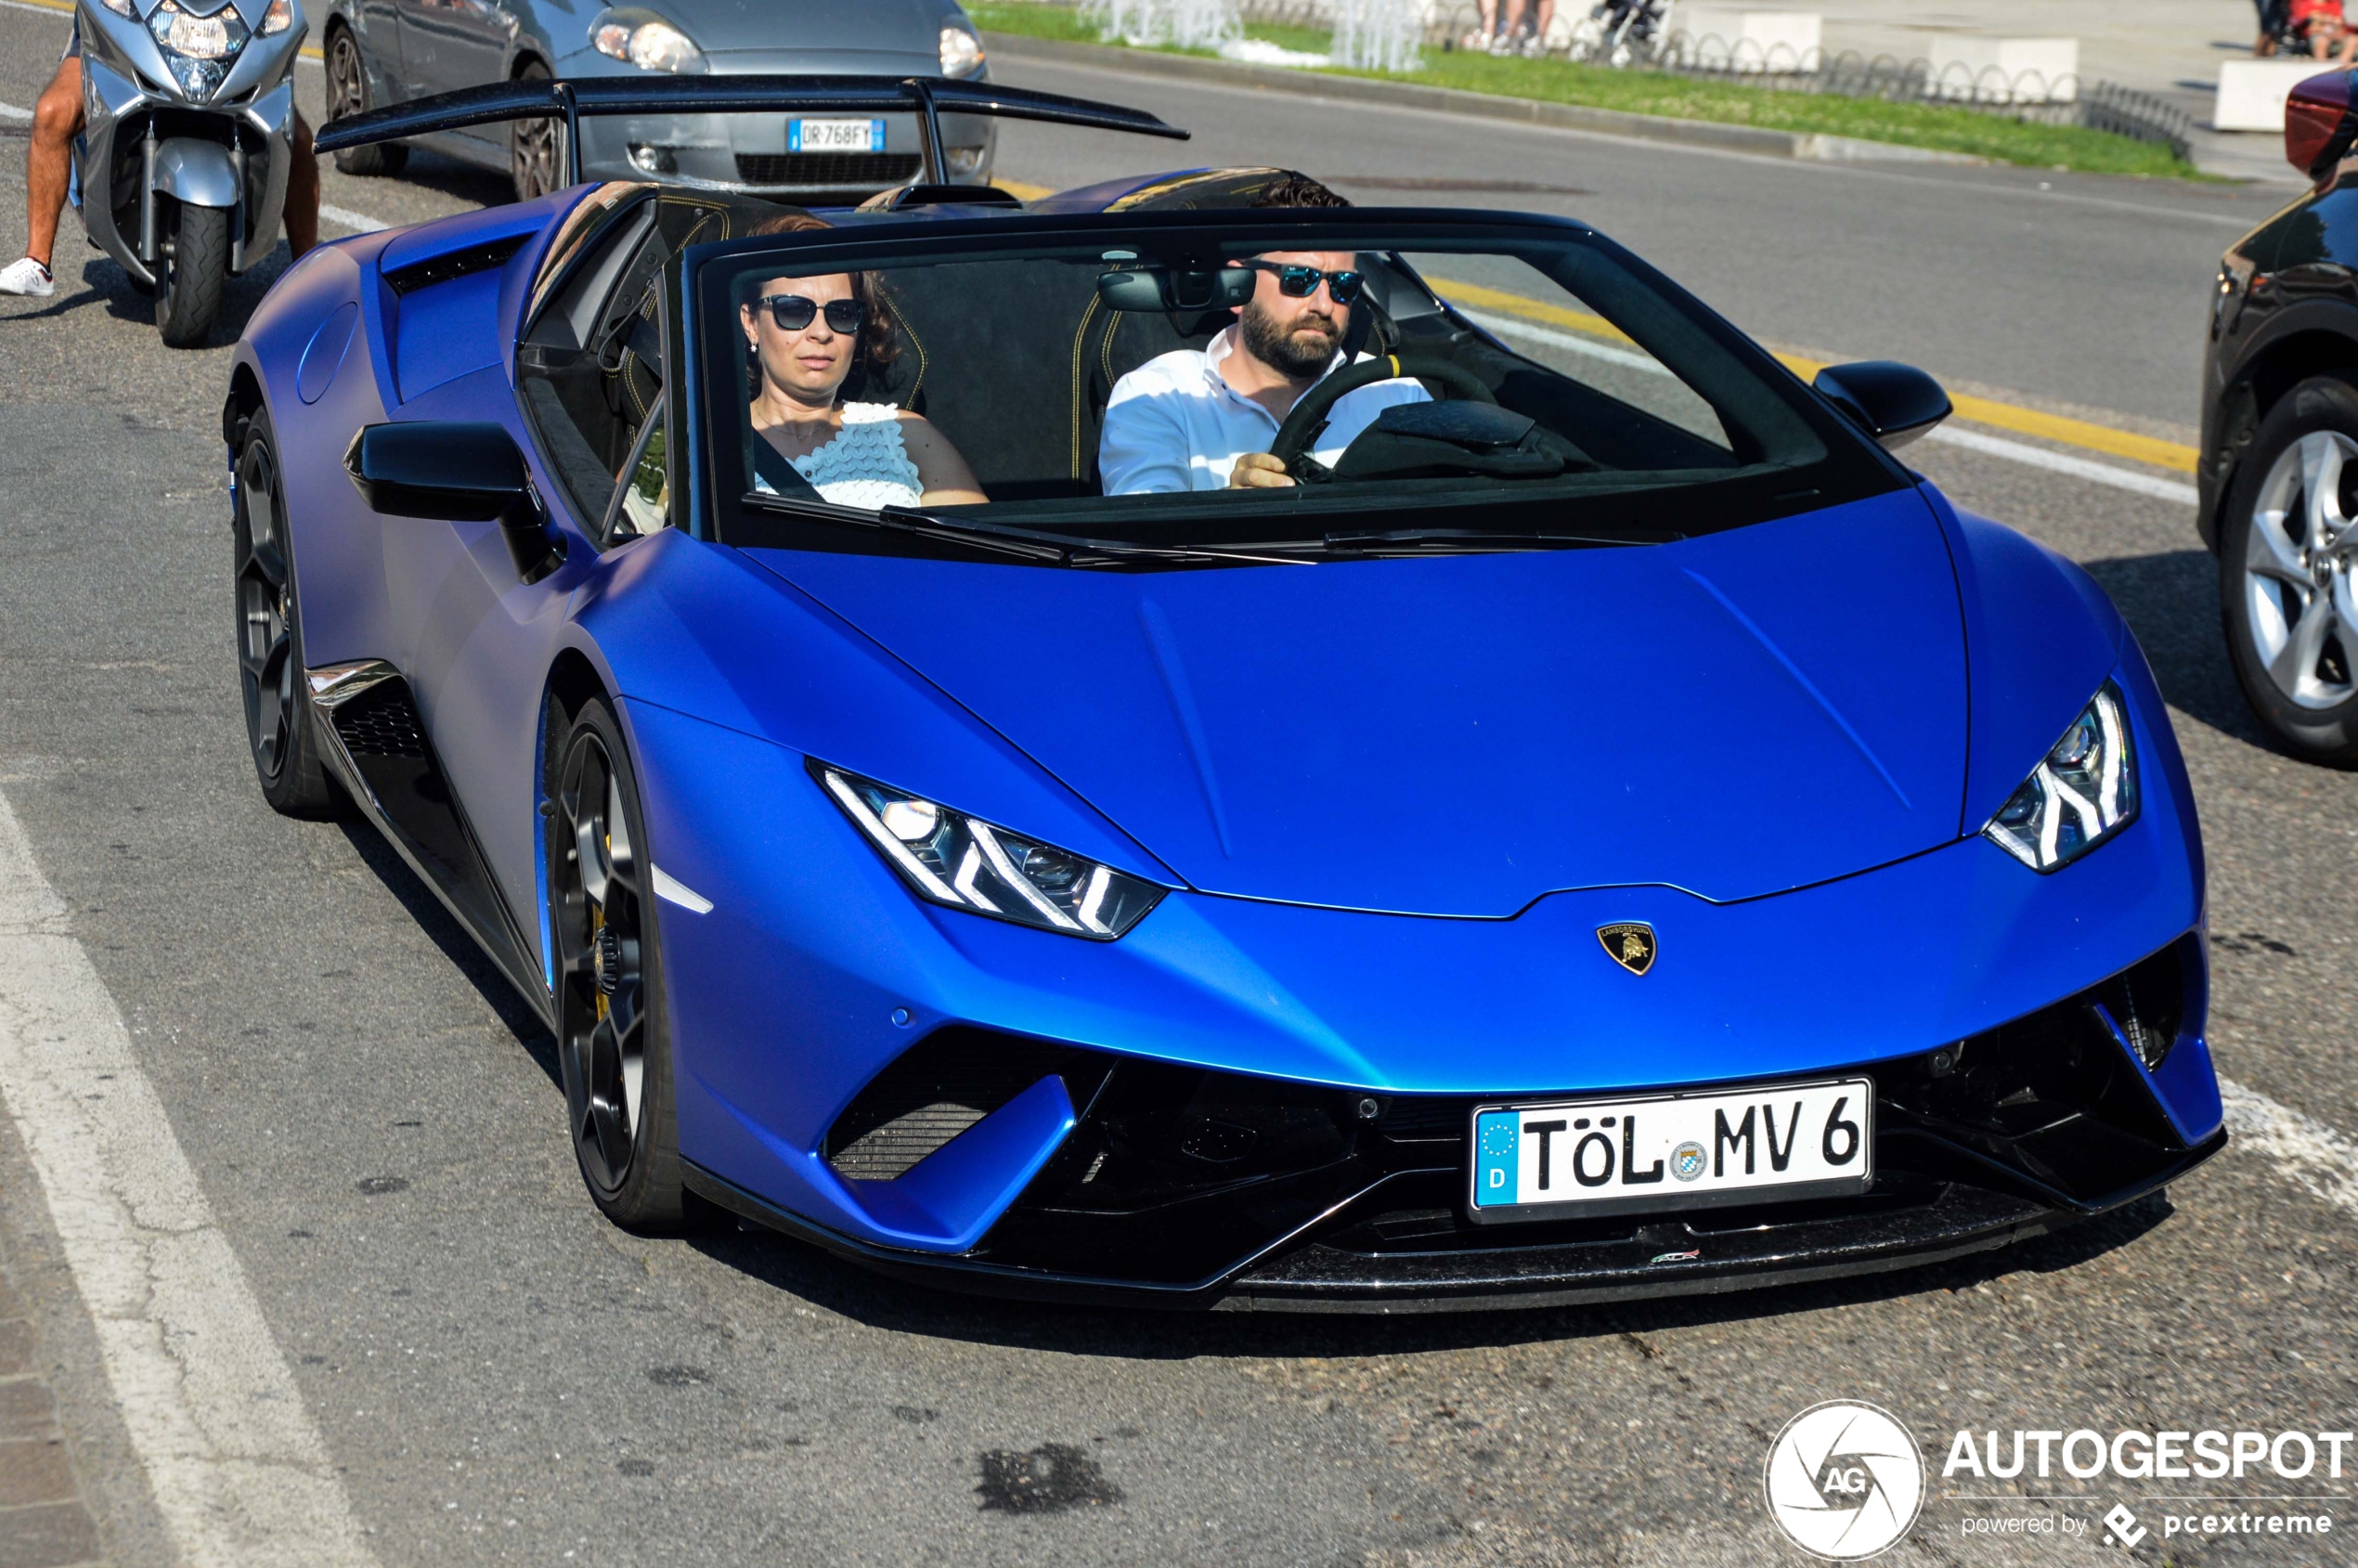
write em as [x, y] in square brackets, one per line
[181, 167]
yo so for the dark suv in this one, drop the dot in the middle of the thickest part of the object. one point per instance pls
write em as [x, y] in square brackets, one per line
[2279, 471]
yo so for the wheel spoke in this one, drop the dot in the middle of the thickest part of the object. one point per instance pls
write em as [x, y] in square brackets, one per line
[2270, 553]
[2294, 667]
[2323, 453]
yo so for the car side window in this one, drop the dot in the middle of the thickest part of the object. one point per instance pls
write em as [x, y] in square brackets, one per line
[643, 499]
[592, 364]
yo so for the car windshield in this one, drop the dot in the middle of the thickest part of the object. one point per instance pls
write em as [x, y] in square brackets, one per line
[1118, 395]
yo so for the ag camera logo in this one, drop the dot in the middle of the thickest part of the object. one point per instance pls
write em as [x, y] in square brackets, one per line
[1844, 1480]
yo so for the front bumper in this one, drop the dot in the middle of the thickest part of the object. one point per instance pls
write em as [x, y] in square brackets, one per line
[1180, 1187]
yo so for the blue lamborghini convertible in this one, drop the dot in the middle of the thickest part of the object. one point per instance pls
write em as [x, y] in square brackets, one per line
[1606, 828]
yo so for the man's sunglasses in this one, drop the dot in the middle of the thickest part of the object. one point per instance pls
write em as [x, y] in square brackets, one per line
[793, 313]
[1299, 282]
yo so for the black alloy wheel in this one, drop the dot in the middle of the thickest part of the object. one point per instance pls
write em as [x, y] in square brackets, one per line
[348, 95]
[2288, 571]
[610, 1039]
[279, 719]
[537, 148]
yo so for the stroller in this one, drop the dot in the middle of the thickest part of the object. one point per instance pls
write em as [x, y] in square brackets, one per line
[1622, 32]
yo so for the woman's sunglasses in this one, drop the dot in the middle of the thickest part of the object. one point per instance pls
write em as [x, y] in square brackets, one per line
[1300, 282]
[793, 313]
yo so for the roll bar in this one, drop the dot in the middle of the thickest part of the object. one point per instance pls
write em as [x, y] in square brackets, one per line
[929, 98]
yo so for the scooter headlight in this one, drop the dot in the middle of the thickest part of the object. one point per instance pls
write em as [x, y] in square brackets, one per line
[199, 49]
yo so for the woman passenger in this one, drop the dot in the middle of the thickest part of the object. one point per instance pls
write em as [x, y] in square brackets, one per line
[813, 339]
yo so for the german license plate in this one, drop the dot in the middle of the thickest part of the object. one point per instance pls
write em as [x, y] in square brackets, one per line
[835, 136]
[1558, 1158]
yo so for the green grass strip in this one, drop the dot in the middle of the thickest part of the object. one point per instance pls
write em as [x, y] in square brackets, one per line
[1934, 126]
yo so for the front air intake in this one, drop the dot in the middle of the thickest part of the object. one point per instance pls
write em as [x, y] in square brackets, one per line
[939, 1088]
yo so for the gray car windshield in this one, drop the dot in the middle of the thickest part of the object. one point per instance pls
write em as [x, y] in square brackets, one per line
[1316, 391]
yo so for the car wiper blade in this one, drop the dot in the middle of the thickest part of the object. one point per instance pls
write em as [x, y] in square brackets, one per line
[1064, 550]
[1440, 540]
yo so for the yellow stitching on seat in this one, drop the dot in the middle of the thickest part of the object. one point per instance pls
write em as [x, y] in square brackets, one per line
[1080, 352]
[919, 384]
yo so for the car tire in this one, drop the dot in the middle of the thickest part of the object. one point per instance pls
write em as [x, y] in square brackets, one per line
[348, 95]
[536, 147]
[188, 295]
[2285, 581]
[614, 1042]
[281, 734]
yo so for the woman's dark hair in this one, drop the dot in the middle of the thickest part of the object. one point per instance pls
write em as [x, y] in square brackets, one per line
[879, 335]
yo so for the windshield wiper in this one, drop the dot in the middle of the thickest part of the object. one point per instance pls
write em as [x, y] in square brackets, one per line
[1440, 540]
[1063, 550]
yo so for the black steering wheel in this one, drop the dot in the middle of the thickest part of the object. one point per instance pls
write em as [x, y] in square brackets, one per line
[1309, 417]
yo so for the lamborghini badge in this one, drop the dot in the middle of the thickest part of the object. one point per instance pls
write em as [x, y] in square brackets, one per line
[1630, 944]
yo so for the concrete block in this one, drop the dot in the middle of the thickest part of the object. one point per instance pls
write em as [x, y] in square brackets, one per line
[2005, 70]
[2251, 93]
[1734, 38]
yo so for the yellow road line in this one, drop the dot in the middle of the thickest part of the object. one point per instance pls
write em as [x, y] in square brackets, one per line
[2058, 428]
[1530, 309]
[1023, 192]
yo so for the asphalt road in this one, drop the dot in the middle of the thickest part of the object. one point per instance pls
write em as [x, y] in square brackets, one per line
[499, 1376]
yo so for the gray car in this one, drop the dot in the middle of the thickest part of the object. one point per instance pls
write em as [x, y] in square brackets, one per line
[385, 52]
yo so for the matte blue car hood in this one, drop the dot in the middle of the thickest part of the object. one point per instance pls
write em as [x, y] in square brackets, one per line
[1734, 715]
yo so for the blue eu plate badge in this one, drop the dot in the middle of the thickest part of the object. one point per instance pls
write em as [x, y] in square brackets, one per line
[1496, 1141]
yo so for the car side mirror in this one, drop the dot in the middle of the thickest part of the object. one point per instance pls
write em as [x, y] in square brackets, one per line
[1893, 403]
[457, 472]
[2317, 124]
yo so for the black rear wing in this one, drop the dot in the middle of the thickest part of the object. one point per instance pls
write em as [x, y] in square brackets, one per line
[928, 97]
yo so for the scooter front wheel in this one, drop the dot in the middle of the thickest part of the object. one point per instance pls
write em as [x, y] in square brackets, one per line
[188, 296]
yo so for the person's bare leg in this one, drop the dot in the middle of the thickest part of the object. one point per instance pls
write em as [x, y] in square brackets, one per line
[303, 192]
[57, 114]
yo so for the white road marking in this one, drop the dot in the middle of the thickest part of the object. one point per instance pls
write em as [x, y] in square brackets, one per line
[1973, 440]
[239, 1471]
[2061, 462]
[2298, 1146]
[1572, 341]
[359, 223]
[10, 112]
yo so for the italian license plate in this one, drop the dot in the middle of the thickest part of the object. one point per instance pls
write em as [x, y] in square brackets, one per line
[1558, 1159]
[835, 136]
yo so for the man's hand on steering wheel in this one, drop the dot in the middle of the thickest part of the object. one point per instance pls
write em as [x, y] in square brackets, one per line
[1258, 470]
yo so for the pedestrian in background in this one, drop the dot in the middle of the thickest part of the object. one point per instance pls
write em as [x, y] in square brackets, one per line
[2322, 26]
[2272, 26]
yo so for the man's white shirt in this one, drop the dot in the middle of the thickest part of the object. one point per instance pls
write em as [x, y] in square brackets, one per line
[1174, 424]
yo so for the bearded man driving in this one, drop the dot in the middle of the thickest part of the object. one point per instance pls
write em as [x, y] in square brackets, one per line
[1204, 419]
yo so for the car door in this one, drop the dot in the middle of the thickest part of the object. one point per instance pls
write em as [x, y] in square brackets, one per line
[484, 635]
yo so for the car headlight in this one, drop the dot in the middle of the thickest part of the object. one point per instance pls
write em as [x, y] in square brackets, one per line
[651, 44]
[961, 52]
[2081, 794]
[963, 862]
[278, 19]
[199, 49]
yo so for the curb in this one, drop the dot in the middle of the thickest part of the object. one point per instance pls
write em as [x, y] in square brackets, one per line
[1805, 144]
